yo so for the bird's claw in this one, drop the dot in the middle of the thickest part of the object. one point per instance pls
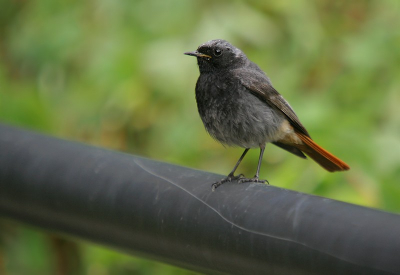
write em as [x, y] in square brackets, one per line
[229, 178]
[255, 179]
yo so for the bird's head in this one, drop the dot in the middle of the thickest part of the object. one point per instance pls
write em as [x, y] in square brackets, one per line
[218, 55]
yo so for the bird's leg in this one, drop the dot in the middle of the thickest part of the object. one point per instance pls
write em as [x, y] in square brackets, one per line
[255, 178]
[231, 175]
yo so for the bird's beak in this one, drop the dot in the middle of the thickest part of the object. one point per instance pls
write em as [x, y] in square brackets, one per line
[197, 54]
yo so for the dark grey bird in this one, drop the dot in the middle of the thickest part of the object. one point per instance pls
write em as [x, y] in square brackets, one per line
[239, 107]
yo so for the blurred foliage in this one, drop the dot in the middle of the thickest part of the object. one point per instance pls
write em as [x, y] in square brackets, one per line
[113, 74]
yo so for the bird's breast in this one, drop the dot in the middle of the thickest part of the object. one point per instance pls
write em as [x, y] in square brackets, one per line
[234, 116]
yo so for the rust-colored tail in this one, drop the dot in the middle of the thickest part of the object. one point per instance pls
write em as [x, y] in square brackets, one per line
[321, 156]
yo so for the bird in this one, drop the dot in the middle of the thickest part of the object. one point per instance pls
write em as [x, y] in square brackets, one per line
[239, 107]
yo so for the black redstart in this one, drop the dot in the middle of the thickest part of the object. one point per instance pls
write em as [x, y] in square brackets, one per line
[239, 107]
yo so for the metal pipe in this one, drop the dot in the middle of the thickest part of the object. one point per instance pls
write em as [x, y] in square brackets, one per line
[169, 213]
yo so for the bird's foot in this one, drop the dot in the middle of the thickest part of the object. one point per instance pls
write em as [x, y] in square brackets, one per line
[254, 179]
[229, 178]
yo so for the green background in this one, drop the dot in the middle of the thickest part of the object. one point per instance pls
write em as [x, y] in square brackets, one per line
[113, 74]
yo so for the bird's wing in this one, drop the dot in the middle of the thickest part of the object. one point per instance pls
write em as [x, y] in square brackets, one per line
[259, 85]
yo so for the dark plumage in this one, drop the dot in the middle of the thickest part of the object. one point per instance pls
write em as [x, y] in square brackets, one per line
[239, 107]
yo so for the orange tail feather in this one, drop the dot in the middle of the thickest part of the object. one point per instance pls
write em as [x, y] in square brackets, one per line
[321, 156]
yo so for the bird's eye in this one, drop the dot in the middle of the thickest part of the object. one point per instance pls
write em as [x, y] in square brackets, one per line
[217, 52]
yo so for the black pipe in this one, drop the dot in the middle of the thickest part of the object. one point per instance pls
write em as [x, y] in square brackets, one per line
[169, 213]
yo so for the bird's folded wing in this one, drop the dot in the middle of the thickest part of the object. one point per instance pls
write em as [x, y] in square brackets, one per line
[259, 85]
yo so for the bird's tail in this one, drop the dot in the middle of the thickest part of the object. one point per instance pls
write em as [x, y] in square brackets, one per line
[321, 156]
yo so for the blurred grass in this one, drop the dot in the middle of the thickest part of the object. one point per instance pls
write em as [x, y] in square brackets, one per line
[113, 73]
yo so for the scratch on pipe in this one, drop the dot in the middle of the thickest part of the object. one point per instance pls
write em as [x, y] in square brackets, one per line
[208, 205]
